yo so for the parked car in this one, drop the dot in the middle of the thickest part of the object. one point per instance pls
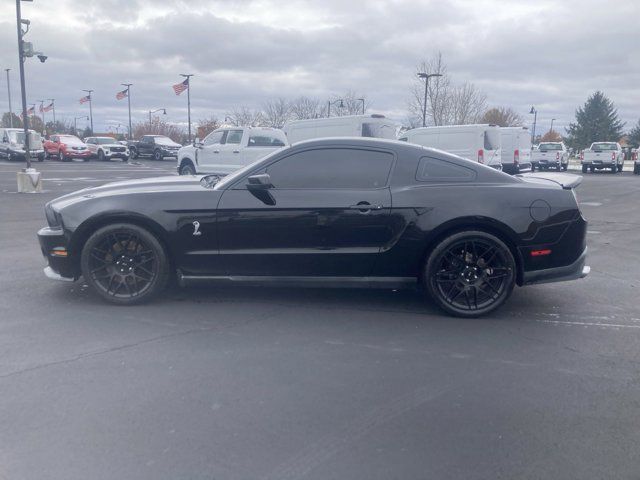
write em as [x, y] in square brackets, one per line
[328, 212]
[66, 147]
[227, 149]
[550, 155]
[478, 143]
[602, 155]
[12, 146]
[156, 146]
[371, 126]
[106, 148]
[515, 149]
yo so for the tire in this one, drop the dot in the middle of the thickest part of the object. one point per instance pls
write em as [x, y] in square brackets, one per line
[533, 167]
[101, 156]
[584, 169]
[636, 169]
[564, 167]
[47, 156]
[466, 263]
[614, 169]
[41, 158]
[187, 168]
[157, 155]
[620, 167]
[133, 153]
[125, 264]
[592, 170]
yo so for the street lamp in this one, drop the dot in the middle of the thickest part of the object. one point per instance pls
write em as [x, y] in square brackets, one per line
[426, 77]
[533, 112]
[333, 103]
[361, 100]
[75, 123]
[163, 110]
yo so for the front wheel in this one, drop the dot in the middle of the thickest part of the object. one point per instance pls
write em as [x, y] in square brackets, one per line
[636, 169]
[470, 274]
[101, 156]
[133, 153]
[187, 168]
[565, 166]
[620, 167]
[125, 264]
[584, 169]
[157, 155]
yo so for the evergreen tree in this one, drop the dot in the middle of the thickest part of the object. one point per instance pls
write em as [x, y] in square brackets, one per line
[634, 136]
[6, 120]
[596, 121]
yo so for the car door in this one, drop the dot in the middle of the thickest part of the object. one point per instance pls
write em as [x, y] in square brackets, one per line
[145, 147]
[209, 152]
[326, 214]
[230, 150]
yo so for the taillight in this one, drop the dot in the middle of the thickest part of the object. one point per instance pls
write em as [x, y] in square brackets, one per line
[481, 156]
[557, 155]
[613, 156]
[516, 156]
[581, 155]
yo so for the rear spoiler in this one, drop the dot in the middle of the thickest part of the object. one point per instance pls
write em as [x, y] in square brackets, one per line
[567, 181]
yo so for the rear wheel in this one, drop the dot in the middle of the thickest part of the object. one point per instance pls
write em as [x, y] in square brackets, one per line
[125, 264]
[470, 274]
[620, 167]
[133, 153]
[592, 170]
[614, 169]
[157, 155]
[636, 169]
[584, 168]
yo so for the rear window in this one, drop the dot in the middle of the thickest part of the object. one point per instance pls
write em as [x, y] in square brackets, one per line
[604, 146]
[264, 141]
[378, 130]
[491, 140]
[436, 170]
[545, 147]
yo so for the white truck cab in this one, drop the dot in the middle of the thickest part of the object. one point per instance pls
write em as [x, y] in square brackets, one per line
[227, 149]
[374, 125]
[479, 143]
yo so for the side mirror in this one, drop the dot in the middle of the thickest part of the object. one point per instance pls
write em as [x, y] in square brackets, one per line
[261, 181]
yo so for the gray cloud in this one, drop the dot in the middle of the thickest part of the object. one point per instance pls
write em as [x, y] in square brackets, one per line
[247, 51]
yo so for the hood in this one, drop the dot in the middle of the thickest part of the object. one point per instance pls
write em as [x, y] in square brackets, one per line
[129, 187]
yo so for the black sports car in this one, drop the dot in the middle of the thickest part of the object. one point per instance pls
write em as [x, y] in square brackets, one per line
[328, 212]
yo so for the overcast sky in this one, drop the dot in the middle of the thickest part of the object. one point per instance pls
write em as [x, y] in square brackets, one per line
[551, 54]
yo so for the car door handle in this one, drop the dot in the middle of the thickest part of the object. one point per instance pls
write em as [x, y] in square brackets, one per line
[365, 207]
[216, 151]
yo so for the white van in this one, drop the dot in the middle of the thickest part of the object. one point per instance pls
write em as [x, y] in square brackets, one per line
[479, 143]
[516, 149]
[377, 126]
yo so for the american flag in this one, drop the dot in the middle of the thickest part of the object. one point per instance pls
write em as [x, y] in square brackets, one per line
[181, 87]
[49, 107]
[85, 99]
[122, 94]
[41, 108]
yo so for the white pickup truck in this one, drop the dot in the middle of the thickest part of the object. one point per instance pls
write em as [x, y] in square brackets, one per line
[227, 149]
[550, 155]
[602, 155]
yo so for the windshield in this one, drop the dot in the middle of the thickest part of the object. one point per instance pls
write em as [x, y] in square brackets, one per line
[492, 139]
[18, 137]
[545, 147]
[164, 141]
[105, 140]
[229, 179]
[604, 146]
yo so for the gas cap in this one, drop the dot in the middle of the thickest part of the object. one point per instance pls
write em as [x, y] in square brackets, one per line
[540, 210]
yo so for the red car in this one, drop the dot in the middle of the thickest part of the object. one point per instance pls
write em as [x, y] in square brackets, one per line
[66, 147]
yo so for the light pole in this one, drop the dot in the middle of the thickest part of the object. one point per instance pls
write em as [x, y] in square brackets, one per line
[426, 77]
[163, 110]
[128, 85]
[362, 100]
[551, 129]
[188, 80]
[329, 103]
[9, 93]
[42, 111]
[75, 123]
[90, 107]
[533, 112]
[53, 107]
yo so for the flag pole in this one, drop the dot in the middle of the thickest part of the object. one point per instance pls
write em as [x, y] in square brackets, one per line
[128, 85]
[53, 107]
[188, 77]
[90, 107]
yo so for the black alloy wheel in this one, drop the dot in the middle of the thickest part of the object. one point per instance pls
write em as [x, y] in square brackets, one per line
[470, 274]
[125, 264]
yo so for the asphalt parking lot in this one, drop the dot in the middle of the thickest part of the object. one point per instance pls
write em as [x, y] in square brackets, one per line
[257, 383]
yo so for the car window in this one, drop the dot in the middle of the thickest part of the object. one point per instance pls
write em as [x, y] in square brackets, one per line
[264, 141]
[436, 170]
[332, 168]
[214, 138]
[234, 136]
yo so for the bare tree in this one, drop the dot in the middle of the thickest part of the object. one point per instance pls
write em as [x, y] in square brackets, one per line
[447, 104]
[245, 117]
[206, 126]
[350, 103]
[303, 108]
[158, 127]
[502, 116]
[276, 112]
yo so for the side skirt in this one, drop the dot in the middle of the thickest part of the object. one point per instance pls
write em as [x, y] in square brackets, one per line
[302, 281]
